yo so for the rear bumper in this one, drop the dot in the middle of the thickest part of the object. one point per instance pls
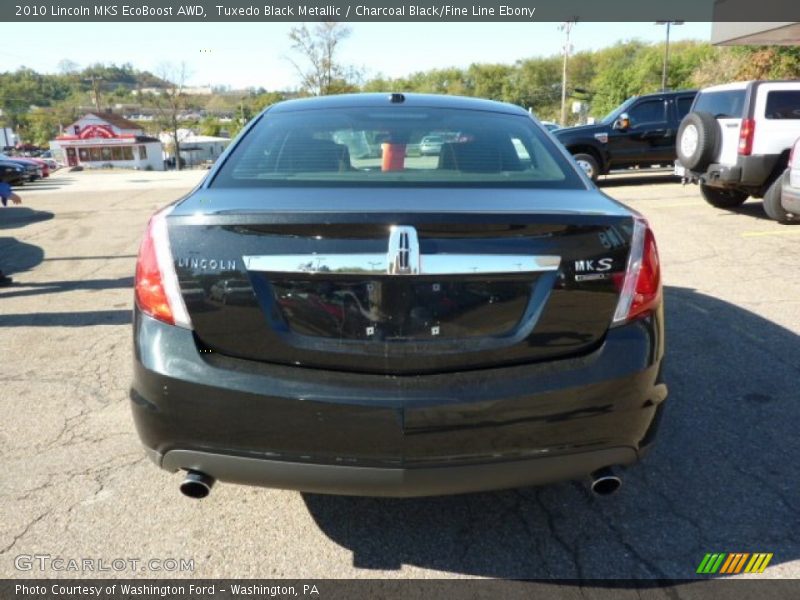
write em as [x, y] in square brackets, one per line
[396, 482]
[749, 172]
[348, 433]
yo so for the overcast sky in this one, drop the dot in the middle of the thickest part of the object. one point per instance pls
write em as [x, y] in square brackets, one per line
[254, 54]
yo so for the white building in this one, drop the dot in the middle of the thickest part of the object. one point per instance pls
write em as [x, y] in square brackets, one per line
[8, 139]
[106, 139]
[196, 149]
[199, 90]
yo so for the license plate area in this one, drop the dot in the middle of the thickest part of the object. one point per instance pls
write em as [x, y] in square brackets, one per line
[394, 309]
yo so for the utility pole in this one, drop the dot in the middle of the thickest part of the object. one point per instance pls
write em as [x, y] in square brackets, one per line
[566, 27]
[665, 66]
[96, 90]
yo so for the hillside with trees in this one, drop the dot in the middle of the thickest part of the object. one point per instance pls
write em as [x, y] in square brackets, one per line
[603, 78]
[36, 105]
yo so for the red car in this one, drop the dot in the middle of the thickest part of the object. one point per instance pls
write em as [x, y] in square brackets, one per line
[42, 163]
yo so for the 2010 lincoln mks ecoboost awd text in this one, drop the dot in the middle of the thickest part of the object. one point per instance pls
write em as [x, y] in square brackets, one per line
[334, 311]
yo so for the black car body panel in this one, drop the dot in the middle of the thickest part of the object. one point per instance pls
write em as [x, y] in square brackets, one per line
[321, 357]
[646, 142]
[322, 320]
[607, 401]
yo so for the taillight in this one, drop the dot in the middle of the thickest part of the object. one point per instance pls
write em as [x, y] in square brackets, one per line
[157, 290]
[746, 134]
[640, 287]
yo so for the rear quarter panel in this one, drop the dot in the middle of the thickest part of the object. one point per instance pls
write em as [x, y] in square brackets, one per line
[729, 144]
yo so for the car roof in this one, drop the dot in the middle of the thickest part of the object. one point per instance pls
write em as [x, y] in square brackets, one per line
[385, 99]
[724, 87]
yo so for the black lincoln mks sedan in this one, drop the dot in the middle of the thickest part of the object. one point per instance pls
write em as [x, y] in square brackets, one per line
[386, 323]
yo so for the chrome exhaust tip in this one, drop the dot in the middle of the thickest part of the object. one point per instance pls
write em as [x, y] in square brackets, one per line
[604, 482]
[197, 485]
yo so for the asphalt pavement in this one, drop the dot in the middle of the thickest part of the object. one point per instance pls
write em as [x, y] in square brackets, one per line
[75, 483]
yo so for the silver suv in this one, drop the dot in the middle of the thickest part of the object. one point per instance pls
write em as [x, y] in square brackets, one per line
[736, 139]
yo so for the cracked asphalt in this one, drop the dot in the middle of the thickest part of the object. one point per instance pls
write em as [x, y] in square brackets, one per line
[75, 483]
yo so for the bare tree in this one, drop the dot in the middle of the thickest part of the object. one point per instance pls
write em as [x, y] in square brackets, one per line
[67, 66]
[321, 72]
[170, 102]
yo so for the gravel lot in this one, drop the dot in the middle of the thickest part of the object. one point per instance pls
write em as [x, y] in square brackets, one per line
[75, 482]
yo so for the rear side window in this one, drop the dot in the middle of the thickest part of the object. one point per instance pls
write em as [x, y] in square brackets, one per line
[396, 146]
[783, 105]
[684, 105]
[727, 104]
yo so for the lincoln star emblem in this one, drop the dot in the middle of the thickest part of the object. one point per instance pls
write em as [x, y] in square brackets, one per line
[403, 257]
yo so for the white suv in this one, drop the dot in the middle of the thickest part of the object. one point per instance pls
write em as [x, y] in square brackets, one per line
[736, 139]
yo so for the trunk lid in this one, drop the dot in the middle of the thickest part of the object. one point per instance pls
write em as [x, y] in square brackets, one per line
[424, 283]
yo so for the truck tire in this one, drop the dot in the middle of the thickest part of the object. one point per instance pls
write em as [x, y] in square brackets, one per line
[723, 198]
[773, 207]
[698, 140]
[588, 163]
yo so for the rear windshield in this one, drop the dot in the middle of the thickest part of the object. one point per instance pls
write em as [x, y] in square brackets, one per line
[783, 105]
[728, 104]
[396, 146]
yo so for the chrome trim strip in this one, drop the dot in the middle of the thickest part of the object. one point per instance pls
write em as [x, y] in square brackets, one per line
[465, 264]
[402, 258]
[381, 264]
[345, 264]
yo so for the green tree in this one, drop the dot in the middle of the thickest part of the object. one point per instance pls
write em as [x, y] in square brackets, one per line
[685, 59]
[536, 83]
[769, 62]
[260, 101]
[488, 81]
[617, 77]
[210, 126]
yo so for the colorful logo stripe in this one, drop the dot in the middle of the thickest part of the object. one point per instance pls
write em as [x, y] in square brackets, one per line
[730, 563]
[758, 563]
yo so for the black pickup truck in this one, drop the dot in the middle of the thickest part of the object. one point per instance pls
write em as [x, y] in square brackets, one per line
[640, 132]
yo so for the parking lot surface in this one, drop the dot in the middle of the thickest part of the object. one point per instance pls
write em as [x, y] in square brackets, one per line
[76, 484]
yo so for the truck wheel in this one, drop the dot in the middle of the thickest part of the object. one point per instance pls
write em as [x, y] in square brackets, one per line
[588, 163]
[722, 198]
[773, 207]
[698, 140]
